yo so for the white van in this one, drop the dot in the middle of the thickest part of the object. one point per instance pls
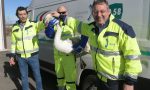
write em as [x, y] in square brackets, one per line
[134, 12]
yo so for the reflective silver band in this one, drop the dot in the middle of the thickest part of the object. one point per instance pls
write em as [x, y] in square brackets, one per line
[112, 77]
[27, 38]
[12, 51]
[106, 53]
[132, 76]
[132, 57]
[27, 51]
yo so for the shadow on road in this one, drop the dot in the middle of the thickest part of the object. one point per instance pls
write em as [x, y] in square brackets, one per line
[49, 81]
[14, 74]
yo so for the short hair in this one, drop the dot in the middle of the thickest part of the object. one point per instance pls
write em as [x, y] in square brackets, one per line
[99, 2]
[20, 9]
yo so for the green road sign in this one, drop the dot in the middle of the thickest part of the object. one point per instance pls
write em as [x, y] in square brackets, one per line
[117, 10]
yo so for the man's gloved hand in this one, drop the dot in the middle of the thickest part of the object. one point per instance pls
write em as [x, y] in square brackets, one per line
[53, 22]
[49, 32]
[55, 14]
[77, 48]
[12, 61]
[10, 55]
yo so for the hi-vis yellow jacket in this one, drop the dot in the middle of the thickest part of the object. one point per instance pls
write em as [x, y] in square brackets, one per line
[114, 48]
[25, 41]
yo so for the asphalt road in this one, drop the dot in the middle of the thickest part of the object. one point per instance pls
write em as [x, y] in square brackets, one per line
[10, 77]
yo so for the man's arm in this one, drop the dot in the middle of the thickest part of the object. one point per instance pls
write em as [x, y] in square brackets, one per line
[131, 53]
[49, 31]
[41, 25]
[73, 23]
[12, 54]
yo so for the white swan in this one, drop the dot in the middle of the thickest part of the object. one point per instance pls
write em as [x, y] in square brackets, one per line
[61, 45]
[65, 46]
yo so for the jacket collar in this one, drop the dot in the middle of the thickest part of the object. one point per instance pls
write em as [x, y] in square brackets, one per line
[18, 22]
[98, 29]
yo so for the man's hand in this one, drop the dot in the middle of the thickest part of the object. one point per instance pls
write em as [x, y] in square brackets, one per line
[128, 87]
[55, 14]
[81, 45]
[47, 19]
[50, 20]
[12, 61]
[49, 32]
[77, 49]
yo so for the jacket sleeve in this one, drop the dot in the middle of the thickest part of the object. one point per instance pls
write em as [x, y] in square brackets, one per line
[40, 26]
[77, 25]
[49, 32]
[72, 23]
[13, 45]
[131, 54]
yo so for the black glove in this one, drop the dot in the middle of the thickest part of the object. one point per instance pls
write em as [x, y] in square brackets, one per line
[129, 80]
[77, 48]
[10, 55]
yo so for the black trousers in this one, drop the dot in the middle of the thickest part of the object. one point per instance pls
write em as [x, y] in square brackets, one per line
[110, 85]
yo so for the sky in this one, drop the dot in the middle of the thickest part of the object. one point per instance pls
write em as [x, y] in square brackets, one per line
[10, 7]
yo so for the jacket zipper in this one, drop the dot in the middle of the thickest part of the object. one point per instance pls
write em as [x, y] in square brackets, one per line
[106, 43]
[23, 43]
[113, 65]
[96, 54]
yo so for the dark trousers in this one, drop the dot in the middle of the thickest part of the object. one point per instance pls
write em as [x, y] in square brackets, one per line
[110, 85]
